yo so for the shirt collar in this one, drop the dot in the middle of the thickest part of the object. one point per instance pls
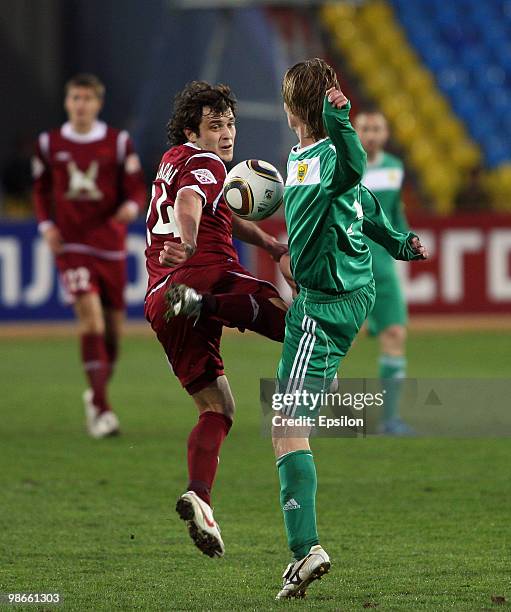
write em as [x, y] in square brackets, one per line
[97, 132]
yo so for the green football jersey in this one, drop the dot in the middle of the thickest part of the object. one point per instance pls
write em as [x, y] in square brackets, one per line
[327, 211]
[384, 177]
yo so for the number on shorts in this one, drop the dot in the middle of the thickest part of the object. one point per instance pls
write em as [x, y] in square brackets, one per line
[77, 279]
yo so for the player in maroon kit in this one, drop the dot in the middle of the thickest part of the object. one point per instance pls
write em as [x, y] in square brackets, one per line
[197, 286]
[88, 186]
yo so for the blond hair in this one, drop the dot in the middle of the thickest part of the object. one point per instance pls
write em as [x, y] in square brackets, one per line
[303, 89]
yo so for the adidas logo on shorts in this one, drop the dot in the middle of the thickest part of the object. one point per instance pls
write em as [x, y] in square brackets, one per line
[292, 504]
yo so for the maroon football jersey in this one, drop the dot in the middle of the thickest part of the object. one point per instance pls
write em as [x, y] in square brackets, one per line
[188, 167]
[80, 180]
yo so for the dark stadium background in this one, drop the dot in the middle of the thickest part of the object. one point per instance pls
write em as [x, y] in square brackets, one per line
[440, 71]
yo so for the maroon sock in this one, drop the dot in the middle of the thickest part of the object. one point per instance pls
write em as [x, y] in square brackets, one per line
[96, 366]
[248, 312]
[112, 351]
[204, 445]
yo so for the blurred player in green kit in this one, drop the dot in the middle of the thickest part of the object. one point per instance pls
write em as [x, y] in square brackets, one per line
[384, 177]
[327, 212]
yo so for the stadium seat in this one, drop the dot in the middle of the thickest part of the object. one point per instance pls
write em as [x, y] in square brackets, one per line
[467, 46]
[377, 48]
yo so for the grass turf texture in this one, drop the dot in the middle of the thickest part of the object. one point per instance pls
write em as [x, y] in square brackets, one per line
[409, 524]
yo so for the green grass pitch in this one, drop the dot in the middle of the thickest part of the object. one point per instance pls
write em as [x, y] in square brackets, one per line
[409, 524]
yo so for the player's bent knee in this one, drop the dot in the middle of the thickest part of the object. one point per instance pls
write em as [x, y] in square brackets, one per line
[216, 397]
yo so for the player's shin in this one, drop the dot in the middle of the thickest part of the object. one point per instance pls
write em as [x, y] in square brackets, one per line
[112, 349]
[392, 370]
[204, 444]
[298, 483]
[96, 367]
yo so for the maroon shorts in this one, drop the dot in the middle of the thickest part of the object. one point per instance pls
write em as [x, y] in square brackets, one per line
[193, 350]
[81, 273]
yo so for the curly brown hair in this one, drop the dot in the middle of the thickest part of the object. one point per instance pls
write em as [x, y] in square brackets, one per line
[188, 106]
[303, 89]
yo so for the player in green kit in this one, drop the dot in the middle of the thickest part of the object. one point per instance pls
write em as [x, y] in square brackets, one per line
[327, 211]
[384, 177]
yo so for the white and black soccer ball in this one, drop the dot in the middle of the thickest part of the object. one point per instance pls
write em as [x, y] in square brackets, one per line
[253, 189]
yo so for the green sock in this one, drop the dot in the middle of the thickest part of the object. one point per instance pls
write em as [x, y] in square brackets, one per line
[392, 370]
[298, 484]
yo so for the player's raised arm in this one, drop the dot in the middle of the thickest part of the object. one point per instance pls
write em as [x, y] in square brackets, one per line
[351, 157]
[405, 246]
[249, 232]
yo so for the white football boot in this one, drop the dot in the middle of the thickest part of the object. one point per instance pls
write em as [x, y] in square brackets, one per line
[300, 574]
[203, 528]
[99, 424]
[182, 300]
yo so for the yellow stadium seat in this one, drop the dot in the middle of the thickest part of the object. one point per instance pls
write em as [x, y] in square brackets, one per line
[345, 34]
[464, 155]
[406, 127]
[397, 103]
[433, 108]
[419, 82]
[436, 143]
[376, 12]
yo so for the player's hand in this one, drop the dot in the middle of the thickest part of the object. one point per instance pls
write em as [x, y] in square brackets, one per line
[275, 248]
[336, 98]
[126, 213]
[175, 253]
[418, 249]
[54, 239]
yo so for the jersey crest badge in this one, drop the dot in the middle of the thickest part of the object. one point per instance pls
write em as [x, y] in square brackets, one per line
[82, 185]
[302, 171]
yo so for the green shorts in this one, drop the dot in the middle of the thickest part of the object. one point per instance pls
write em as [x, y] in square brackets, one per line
[390, 305]
[320, 329]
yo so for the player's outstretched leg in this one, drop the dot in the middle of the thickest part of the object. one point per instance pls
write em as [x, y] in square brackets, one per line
[216, 404]
[245, 311]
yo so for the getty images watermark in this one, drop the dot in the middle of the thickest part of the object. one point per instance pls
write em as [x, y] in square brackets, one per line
[440, 407]
[301, 408]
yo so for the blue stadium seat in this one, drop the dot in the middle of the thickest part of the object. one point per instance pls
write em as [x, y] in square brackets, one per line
[497, 151]
[467, 46]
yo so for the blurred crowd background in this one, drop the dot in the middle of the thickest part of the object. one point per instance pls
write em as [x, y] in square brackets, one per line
[440, 71]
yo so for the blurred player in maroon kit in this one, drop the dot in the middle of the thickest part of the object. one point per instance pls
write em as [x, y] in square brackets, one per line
[88, 186]
[197, 286]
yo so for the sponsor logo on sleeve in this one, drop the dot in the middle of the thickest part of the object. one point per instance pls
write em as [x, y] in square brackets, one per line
[204, 176]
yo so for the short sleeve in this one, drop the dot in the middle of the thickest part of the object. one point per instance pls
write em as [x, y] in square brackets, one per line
[205, 174]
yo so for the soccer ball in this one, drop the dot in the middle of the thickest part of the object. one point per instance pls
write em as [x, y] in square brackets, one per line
[253, 189]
